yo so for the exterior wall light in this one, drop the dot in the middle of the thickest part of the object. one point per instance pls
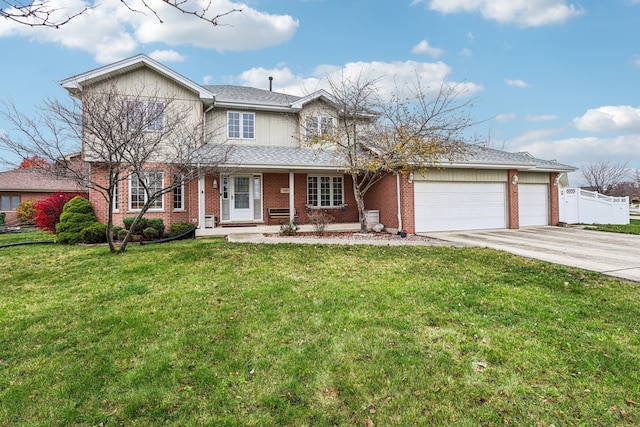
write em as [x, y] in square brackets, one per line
[514, 180]
[215, 183]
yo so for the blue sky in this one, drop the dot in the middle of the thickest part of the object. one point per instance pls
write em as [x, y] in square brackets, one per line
[557, 78]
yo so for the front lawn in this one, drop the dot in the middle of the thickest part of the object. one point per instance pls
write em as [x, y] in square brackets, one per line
[632, 228]
[210, 333]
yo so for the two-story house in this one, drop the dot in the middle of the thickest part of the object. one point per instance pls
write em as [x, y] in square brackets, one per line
[270, 167]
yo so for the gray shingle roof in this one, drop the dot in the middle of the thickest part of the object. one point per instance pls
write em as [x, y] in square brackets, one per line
[522, 160]
[268, 157]
[30, 180]
[229, 94]
[255, 156]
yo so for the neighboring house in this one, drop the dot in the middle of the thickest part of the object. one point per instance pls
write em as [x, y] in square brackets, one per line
[19, 185]
[269, 167]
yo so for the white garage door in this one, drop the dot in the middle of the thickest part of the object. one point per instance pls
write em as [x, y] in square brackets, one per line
[533, 205]
[448, 206]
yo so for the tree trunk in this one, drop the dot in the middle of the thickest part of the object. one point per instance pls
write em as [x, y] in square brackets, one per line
[360, 203]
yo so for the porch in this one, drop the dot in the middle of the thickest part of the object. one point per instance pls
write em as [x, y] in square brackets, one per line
[272, 229]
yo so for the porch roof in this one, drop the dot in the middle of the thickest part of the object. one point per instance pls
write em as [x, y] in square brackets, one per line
[298, 158]
[273, 157]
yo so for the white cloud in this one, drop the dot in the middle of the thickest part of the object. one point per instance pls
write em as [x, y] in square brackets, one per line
[577, 151]
[390, 76]
[516, 83]
[504, 118]
[541, 118]
[424, 47]
[166, 56]
[466, 52]
[110, 31]
[622, 118]
[525, 13]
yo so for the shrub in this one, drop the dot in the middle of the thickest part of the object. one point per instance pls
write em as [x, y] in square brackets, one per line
[289, 228]
[150, 233]
[157, 224]
[122, 233]
[115, 230]
[48, 210]
[141, 225]
[179, 228]
[319, 220]
[26, 212]
[76, 216]
[144, 223]
[95, 233]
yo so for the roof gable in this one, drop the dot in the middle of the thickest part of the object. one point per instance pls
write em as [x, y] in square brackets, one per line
[76, 83]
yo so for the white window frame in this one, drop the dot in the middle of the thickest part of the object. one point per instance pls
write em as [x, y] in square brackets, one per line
[333, 191]
[242, 131]
[116, 199]
[318, 125]
[179, 193]
[158, 203]
[142, 110]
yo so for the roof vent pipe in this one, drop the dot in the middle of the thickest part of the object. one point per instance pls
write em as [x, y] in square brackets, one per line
[270, 83]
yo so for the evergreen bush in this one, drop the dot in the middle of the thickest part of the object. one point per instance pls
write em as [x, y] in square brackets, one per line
[179, 228]
[76, 216]
[150, 233]
[96, 233]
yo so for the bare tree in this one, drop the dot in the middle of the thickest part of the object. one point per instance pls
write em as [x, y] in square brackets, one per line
[36, 13]
[603, 177]
[121, 137]
[375, 137]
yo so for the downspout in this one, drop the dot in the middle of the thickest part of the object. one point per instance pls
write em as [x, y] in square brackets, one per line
[399, 205]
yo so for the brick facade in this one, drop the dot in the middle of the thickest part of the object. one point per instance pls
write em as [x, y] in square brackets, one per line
[513, 208]
[554, 200]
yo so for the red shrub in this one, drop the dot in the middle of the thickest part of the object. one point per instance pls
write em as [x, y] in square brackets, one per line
[48, 210]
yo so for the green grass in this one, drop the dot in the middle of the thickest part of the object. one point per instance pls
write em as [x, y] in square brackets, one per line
[632, 228]
[25, 236]
[210, 333]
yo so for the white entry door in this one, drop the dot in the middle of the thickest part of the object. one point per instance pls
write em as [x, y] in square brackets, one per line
[241, 198]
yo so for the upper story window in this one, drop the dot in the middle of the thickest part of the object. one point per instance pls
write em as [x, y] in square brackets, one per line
[138, 195]
[145, 115]
[318, 125]
[241, 125]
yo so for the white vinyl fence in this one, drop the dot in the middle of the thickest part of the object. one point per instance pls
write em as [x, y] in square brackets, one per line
[579, 206]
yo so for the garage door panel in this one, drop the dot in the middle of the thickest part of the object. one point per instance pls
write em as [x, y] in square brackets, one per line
[446, 206]
[533, 204]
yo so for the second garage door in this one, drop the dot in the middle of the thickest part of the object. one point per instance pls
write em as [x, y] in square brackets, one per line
[533, 204]
[449, 206]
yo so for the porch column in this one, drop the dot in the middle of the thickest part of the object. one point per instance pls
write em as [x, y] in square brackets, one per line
[201, 199]
[292, 203]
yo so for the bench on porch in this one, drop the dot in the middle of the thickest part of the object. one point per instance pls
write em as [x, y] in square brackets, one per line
[280, 213]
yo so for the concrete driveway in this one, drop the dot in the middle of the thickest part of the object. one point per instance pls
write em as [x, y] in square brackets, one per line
[612, 254]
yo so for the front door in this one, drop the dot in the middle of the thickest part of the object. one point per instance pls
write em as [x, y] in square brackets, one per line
[241, 198]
